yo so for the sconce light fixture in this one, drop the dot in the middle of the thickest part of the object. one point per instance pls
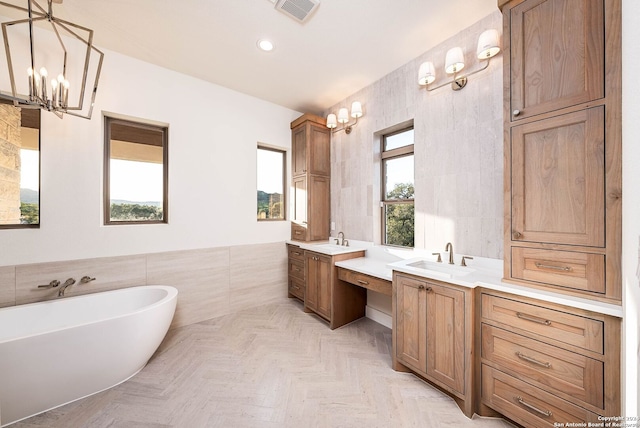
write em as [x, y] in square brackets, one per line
[343, 118]
[488, 47]
[36, 55]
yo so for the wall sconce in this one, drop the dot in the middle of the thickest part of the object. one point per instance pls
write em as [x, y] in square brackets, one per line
[488, 47]
[343, 118]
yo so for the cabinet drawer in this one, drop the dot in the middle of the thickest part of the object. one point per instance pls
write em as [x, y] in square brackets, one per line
[559, 326]
[298, 232]
[526, 404]
[579, 271]
[552, 367]
[295, 253]
[296, 287]
[296, 269]
[366, 281]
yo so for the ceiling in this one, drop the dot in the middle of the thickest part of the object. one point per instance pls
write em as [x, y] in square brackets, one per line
[344, 46]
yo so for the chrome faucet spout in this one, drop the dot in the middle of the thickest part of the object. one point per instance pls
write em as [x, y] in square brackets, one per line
[340, 240]
[64, 286]
[449, 248]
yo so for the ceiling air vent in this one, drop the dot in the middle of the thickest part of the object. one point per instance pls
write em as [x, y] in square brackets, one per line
[299, 10]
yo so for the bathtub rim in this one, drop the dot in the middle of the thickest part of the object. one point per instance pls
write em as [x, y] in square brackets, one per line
[172, 293]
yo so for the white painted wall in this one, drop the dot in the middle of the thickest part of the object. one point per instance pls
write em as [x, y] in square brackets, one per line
[213, 133]
[631, 203]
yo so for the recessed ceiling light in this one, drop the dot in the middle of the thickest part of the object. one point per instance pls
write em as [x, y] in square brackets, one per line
[265, 45]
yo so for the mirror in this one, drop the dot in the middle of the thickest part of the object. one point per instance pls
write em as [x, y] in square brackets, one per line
[19, 167]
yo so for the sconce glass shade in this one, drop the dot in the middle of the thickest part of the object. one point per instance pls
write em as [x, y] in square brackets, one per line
[343, 115]
[488, 44]
[454, 61]
[332, 121]
[426, 74]
[356, 109]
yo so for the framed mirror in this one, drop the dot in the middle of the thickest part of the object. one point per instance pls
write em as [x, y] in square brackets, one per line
[19, 167]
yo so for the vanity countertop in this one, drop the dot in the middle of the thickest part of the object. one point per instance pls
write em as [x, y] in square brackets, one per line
[483, 272]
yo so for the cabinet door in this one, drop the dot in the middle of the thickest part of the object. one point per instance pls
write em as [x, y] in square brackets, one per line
[557, 55]
[311, 273]
[445, 335]
[411, 322]
[557, 173]
[319, 150]
[319, 214]
[300, 200]
[324, 286]
[299, 150]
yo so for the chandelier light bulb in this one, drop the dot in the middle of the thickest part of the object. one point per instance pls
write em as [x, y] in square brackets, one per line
[43, 72]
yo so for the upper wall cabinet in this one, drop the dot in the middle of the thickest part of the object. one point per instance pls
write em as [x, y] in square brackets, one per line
[562, 118]
[311, 172]
[557, 55]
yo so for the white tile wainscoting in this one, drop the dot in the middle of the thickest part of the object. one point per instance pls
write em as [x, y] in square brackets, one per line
[211, 282]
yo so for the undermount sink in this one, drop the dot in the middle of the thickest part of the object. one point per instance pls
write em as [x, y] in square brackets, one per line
[331, 248]
[441, 268]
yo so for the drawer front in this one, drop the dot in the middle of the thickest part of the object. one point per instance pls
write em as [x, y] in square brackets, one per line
[296, 269]
[295, 253]
[559, 326]
[552, 367]
[298, 232]
[526, 404]
[578, 271]
[366, 281]
[296, 287]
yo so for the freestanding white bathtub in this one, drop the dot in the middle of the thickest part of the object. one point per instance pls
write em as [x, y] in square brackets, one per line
[55, 352]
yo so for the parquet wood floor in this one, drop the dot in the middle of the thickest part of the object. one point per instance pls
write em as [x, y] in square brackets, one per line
[271, 366]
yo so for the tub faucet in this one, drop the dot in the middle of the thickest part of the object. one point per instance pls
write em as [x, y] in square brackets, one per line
[449, 248]
[66, 284]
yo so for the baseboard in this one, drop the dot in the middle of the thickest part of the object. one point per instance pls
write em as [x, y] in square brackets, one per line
[378, 316]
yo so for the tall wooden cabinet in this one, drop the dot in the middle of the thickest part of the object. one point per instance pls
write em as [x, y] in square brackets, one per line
[433, 334]
[563, 145]
[311, 178]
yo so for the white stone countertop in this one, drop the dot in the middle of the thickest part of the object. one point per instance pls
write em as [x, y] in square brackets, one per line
[380, 261]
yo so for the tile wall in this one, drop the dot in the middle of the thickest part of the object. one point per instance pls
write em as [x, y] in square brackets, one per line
[211, 282]
[458, 153]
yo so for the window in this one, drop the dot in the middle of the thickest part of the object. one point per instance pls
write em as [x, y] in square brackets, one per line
[19, 167]
[271, 175]
[135, 172]
[397, 189]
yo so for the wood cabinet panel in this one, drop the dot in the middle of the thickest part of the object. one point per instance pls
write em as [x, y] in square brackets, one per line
[295, 253]
[299, 151]
[296, 269]
[557, 55]
[300, 202]
[319, 211]
[296, 287]
[320, 150]
[411, 323]
[563, 372]
[575, 270]
[558, 179]
[561, 327]
[446, 335]
[528, 405]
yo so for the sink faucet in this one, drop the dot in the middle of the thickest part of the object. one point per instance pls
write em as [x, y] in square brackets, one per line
[449, 248]
[338, 240]
[66, 284]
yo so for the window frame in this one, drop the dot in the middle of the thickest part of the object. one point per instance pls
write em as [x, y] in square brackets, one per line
[283, 152]
[386, 155]
[108, 121]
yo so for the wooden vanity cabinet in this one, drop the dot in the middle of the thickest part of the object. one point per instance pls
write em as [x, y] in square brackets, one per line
[433, 334]
[327, 295]
[296, 272]
[544, 364]
[311, 178]
[562, 121]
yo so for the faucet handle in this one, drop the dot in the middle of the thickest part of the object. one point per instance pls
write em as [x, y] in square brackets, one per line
[439, 257]
[52, 284]
[463, 262]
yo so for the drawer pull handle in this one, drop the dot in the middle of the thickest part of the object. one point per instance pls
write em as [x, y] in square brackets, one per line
[363, 282]
[532, 360]
[545, 413]
[532, 319]
[298, 232]
[296, 253]
[562, 268]
[516, 113]
[421, 287]
[296, 287]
